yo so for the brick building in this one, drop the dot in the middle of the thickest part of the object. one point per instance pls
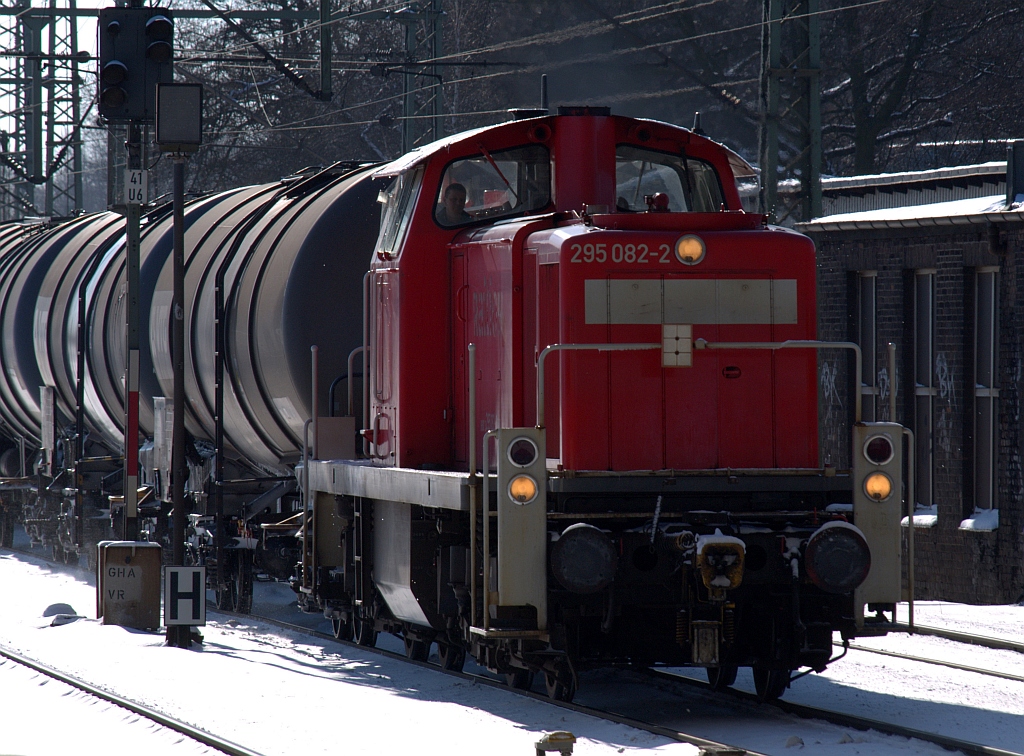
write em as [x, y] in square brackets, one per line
[940, 281]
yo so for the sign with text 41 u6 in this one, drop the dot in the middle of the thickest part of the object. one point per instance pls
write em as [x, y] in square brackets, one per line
[136, 186]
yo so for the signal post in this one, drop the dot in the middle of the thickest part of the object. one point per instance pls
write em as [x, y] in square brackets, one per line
[136, 51]
[179, 131]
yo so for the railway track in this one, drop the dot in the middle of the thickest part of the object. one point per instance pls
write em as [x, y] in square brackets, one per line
[843, 720]
[974, 640]
[202, 736]
[708, 746]
[805, 712]
[936, 662]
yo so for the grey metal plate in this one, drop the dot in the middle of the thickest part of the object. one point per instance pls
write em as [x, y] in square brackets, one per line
[746, 301]
[445, 490]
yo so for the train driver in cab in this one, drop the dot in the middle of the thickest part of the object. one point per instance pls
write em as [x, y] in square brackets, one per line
[451, 211]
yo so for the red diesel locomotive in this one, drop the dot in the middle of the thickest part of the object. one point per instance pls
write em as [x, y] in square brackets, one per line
[590, 426]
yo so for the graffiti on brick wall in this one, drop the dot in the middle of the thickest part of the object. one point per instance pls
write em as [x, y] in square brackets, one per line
[834, 412]
[882, 412]
[946, 405]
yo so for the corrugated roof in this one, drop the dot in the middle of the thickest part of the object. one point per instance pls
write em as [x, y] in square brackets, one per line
[965, 212]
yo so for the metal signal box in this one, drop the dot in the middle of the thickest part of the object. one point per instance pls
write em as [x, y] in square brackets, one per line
[128, 584]
[522, 524]
[878, 507]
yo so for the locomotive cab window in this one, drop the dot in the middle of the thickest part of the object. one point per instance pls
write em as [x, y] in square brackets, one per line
[494, 185]
[397, 201]
[691, 185]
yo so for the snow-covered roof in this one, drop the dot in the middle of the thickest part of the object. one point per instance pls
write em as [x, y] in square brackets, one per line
[994, 170]
[965, 212]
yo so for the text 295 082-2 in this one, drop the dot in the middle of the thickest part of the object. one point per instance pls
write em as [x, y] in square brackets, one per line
[602, 252]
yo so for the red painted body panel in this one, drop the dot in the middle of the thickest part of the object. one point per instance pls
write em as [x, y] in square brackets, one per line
[734, 408]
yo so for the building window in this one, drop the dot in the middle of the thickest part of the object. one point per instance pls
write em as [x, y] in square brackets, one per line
[866, 339]
[925, 389]
[986, 389]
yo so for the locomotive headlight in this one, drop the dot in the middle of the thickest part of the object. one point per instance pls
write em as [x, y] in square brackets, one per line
[720, 561]
[690, 249]
[522, 489]
[837, 557]
[878, 486]
[584, 559]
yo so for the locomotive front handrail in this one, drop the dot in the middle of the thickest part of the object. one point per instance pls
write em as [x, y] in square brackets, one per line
[577, 347]
[792, 344]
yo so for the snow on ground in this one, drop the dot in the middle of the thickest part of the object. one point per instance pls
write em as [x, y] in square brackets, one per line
[275, 692]
[283, 693]
[40, 716]
[931, 698]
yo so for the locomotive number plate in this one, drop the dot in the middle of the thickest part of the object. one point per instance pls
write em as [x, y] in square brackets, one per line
[638, 254]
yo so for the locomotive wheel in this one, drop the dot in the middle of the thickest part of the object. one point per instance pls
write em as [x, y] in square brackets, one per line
[342, 627]
[770, 684]
[363, 632]
[722, 677]
[416, 650]
[560, 686]
[451, 657]
[520, 679]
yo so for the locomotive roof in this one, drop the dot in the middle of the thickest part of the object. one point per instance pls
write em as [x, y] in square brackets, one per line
[739, 166]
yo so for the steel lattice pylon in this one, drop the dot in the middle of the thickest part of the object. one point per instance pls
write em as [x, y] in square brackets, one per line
[40, 125]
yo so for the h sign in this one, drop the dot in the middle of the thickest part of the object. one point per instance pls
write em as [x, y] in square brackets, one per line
[184, 596]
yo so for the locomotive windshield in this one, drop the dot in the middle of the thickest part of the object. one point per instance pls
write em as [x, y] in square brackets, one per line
[397, 201]
[691, 185]
[494, 185]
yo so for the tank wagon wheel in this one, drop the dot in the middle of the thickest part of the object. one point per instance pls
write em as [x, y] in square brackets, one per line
[722, 676]
[770, 684]
[342, 627]
[417, 650]
[560, 685]
[243, 583]
[6, 529]
[226, 596]
[451, 657]
[363, 632]
[520, 679]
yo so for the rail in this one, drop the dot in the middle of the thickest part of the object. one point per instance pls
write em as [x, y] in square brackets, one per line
[213, 741]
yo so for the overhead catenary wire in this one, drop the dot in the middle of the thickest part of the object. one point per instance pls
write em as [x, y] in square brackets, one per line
[547, 66]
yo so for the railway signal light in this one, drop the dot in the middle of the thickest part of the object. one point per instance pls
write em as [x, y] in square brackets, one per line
[522, 530]
[877, 508]
[136, 47]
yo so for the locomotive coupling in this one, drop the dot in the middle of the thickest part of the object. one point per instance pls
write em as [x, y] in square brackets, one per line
[720, 561]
